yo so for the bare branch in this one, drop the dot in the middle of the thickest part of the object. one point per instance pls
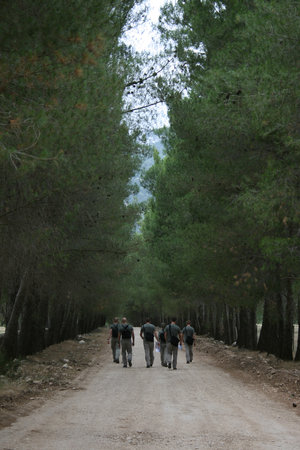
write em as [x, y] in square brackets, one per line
[153, 74]
[142, 107]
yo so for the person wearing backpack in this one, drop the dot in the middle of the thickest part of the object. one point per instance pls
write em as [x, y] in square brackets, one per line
[172, 336]
[189, 336]
[114, 340]
[163, 346]
[126, 338]
[148, 333]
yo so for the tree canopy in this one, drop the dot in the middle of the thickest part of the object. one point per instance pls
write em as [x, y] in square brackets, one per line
[218, 241]
[66, 161]
[223, 220]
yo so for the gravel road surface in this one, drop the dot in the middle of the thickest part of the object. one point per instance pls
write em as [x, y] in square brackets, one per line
[196, 407]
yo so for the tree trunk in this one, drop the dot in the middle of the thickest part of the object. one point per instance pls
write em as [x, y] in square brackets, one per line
[64, 329]
[25, 338]
[215, 320]
[210, 319]
[34, 321]
[206, 319]
[198, 319]
[75, 324]
[241, 340]
[227, 325]
[10, 340]
[56, 323]
[219, 334]
[271, 332]
[297, 356]
[288, 331]
[247, 329]
[234, 324]
[253, 331]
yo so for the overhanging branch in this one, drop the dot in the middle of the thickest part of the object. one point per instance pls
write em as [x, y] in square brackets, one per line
[153, 74]
[142, 107]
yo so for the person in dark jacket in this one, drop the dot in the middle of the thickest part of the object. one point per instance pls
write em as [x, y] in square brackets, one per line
[172, 336]
[162, 346]
[126, 339]
[113, 338]
[189, 336]
[148, 333]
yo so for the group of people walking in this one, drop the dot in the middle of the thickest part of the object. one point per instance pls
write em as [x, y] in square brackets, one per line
[121, 336]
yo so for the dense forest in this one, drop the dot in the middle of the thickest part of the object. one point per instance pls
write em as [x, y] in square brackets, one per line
[219, 239]
[67, 158]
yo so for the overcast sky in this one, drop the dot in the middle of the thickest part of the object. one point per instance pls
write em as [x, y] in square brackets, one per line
[143, 37]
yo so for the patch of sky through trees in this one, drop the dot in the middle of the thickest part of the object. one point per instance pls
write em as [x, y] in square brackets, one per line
[144, 38]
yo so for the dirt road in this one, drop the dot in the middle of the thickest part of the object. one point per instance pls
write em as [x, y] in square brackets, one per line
[196, 407]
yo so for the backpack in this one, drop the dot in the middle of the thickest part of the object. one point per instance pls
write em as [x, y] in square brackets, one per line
[162, 337]
[126, 333]
[189, 340]
[114, 331]
[149, 336]
[174, 339]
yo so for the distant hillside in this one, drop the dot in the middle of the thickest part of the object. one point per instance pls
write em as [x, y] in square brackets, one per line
[143, 194]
